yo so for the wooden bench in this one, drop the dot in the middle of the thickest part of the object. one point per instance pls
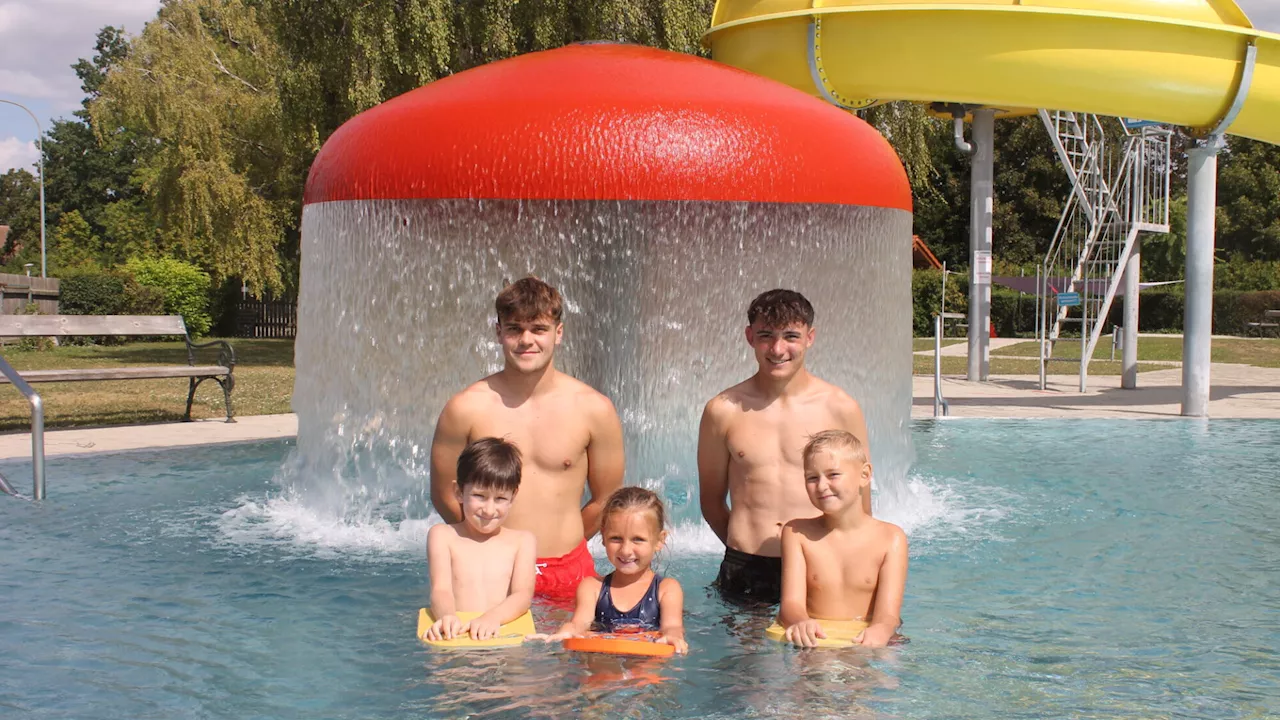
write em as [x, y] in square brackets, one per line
[1270, 321]
[125, 325]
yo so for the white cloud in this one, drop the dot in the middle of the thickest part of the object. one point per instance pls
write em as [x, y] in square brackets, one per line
[41, 39]
[15, 153]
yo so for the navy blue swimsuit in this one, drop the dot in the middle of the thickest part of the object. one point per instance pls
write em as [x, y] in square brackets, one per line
[646, 615]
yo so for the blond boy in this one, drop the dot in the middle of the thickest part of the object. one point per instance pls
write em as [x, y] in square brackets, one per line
[477, 565]
[843, 564]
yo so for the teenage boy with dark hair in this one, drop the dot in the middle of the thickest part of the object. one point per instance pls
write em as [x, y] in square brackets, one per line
[750, 443]
[570, 433]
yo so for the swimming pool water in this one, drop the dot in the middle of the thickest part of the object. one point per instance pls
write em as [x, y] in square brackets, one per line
[1074, 568]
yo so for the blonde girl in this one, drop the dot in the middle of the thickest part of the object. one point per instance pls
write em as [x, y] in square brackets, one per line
[633, 596]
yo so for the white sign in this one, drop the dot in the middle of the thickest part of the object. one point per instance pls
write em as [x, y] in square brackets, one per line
[982, 267]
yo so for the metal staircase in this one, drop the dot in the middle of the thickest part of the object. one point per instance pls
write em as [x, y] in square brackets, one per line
[1119, 188]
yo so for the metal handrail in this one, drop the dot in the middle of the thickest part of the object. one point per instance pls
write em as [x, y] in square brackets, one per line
[37, 427]
[941, 408]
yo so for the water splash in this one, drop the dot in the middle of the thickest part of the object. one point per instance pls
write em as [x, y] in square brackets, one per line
[396, 316]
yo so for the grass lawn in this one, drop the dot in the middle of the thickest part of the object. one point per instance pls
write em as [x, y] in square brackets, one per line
[264, 385]
[1262, 352]
[918, 344]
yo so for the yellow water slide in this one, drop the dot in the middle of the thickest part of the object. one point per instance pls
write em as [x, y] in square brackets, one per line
[1172, 61]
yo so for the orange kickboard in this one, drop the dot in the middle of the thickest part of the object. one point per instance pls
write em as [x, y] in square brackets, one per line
[640, 644]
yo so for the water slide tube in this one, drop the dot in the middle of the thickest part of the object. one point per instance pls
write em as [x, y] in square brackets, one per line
[1172, 61]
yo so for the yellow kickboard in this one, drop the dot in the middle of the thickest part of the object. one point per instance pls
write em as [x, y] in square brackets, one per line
[840, 633]
[509, 635]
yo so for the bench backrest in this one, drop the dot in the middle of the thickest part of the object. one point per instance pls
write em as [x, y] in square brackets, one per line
[74, 325]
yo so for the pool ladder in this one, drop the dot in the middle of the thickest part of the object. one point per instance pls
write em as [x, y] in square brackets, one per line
[37, 433]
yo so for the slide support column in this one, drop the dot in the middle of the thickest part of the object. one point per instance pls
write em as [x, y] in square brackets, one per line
[1202, 200]
[981, 199]
[1129, 340]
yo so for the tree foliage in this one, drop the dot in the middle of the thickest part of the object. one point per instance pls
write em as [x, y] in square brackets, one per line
[184, 286]
[20, 210]
[349, 55]
[201, 83]
[1249, 200]
[73, 246]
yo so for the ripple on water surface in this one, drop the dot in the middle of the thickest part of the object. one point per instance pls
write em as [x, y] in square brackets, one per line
[1114, 569]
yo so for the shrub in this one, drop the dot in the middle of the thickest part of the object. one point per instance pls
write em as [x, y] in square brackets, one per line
[185, 289]
[926, 295]
[93, 293]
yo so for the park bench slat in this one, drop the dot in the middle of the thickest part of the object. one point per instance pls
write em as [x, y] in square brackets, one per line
[126, 325]
[121, 373]
[79, 325]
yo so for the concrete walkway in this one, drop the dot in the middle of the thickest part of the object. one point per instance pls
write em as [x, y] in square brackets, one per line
[961, 349]
[79, 441]
[1238, 391]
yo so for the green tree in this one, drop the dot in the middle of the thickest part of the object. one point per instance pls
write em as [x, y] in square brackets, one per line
[1248, 220]
[349, 55]
[200, 83]
[83, 171]
[20, 210]
[73, 246]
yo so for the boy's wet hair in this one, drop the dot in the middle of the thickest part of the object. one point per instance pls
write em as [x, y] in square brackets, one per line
[632, 498]
[528, 299]
[779, 309]
[490, 464]
[835, 441]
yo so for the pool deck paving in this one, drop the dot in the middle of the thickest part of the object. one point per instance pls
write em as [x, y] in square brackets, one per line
[1239, 391]
[123, 438]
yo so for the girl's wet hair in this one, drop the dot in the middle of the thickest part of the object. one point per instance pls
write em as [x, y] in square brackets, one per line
[631, 498]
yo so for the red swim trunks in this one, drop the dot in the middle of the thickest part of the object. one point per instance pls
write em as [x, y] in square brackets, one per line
[558, 577]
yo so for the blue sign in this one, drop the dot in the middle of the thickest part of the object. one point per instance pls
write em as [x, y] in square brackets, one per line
[1068, 299]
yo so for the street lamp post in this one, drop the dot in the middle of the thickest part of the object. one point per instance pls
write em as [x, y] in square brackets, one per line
[40, 148]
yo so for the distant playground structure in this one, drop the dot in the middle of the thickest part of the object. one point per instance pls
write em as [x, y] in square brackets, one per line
[1199, 64]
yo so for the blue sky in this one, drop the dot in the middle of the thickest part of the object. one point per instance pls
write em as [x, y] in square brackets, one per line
[41, 39]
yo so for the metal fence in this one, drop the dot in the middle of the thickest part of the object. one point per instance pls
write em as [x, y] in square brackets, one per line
[266, 319]
[18, 290]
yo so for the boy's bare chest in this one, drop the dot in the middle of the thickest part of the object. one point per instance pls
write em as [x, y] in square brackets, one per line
[551, 438]
[843, 565]
[483, 560]
[776, 436]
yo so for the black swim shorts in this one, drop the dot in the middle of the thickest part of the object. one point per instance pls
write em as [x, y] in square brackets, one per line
[750, 578]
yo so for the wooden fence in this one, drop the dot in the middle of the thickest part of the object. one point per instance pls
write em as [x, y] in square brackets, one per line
[266, 319]
[17, 290]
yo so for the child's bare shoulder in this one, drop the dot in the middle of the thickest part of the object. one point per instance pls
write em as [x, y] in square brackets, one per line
[441, 533]
[805, 528]
[889, 534]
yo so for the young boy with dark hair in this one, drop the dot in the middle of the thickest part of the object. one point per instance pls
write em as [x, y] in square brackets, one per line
[749, 446]
[477, 565]
[844, 564]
